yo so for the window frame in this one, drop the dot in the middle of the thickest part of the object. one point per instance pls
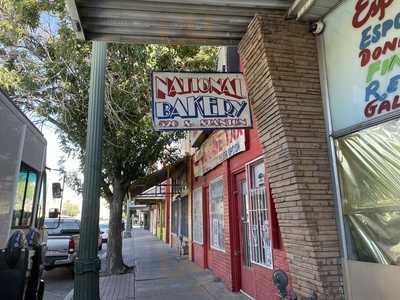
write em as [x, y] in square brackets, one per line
[40, 214]
[362, 242]
[244, 213]
[29, 170]
[250, 187]
[201, 215]
[214, 181]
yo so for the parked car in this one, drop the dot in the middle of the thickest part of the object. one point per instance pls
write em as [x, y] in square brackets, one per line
[63, 241]
[104, 232]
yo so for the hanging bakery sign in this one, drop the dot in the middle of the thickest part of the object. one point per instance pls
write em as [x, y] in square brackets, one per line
[196, 101]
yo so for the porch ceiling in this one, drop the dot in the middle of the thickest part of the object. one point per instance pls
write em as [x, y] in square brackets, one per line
[312, 9]
[204, 22]
[201, 22]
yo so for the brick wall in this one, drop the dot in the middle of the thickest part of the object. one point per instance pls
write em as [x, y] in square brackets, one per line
[281, 68]
[222, 263]
[265, 289]
[219, 262]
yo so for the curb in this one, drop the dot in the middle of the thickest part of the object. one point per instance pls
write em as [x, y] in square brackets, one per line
[70, 295]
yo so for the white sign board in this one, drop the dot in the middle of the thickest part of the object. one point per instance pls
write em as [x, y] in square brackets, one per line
[196, 101]
[220, 146]
[362, 42]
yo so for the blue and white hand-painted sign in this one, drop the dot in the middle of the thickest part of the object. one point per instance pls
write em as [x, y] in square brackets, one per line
[362, 52]
[196, 101]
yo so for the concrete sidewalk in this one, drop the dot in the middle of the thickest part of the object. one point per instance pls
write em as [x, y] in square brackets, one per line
[160, 275]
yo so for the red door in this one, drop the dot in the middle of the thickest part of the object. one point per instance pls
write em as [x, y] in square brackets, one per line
[247, 275]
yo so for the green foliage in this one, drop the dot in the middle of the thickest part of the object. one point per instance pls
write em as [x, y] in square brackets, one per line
[71, 209]
[47, 71]
[19, 17]
[9, 79]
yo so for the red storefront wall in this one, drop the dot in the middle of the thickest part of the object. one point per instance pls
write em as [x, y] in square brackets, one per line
[227, 265]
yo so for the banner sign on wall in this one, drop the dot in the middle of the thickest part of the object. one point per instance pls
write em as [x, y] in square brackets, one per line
[196, 101]
[362, 54]
[220, 146]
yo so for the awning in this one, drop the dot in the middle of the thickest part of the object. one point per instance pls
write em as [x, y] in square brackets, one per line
[201, 22]
[312, 9]
[155, 179]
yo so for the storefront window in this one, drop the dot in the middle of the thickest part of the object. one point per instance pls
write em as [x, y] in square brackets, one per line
[184, 217]
[26, 188]
[175, 216]
[261, 250]
[217, 214]
[369, 174]
[198, 215]
[180, 216]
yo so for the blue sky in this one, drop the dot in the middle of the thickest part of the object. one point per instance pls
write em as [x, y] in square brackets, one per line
[54, 154]
[49, 21]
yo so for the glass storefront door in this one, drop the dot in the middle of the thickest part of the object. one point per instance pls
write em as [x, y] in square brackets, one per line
[368, 164]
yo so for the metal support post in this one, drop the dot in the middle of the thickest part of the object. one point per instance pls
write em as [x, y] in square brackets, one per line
[87, 264]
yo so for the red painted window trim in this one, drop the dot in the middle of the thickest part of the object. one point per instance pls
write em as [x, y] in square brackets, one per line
[273, 217]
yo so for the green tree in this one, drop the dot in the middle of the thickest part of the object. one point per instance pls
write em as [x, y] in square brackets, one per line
[70, 209]
[50, 77]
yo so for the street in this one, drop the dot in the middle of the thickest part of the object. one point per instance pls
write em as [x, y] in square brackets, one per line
[60, 281]
[158, 269]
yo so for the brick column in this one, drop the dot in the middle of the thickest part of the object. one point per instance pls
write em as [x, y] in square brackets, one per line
[281, 68]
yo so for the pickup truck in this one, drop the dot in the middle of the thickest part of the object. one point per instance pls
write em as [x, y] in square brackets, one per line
[63, 241]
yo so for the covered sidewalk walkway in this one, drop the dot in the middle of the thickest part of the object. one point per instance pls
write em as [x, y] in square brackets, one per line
[161, 275]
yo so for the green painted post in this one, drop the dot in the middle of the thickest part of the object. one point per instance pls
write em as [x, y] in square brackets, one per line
[87, 264]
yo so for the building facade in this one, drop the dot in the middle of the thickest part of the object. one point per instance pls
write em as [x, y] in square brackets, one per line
[323, 82]
[178, 208]
[235, 231]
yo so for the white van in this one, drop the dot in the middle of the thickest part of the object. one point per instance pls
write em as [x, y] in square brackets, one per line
[22, 204]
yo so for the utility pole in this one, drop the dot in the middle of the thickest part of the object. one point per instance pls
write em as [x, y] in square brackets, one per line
[87, 264]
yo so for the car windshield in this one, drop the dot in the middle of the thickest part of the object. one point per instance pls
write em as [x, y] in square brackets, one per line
[103, 227]
[56, 229]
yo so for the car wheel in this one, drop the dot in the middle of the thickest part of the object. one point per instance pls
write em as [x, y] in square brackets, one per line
[101, 246]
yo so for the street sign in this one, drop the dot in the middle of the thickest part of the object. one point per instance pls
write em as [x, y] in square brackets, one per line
[197, 101]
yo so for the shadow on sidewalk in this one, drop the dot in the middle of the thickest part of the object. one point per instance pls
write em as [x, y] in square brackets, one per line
[160, 275]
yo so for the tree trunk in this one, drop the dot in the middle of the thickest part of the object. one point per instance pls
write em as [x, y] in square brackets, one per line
[115, 264]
